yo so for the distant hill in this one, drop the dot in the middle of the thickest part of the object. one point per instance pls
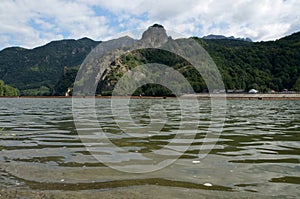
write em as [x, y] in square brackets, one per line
[266, 65]
[211, 36]
[36, 71]
[51, 69]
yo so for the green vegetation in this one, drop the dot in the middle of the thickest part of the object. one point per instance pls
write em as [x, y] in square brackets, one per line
[265, 66]
[6, 90]
[297, 85]
[131, 60]
[37, 71]
[51, 69]
[66, 81]
[41, 91]
[153, 90]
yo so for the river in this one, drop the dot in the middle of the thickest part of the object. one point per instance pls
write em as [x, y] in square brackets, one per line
[43, 154]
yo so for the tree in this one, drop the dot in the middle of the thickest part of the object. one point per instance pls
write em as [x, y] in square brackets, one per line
[296, 86]
[6, 90]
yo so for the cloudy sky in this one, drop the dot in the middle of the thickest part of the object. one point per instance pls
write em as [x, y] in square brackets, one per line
[30, 23]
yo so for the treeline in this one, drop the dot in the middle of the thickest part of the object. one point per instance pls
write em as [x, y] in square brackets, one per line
[6, 90]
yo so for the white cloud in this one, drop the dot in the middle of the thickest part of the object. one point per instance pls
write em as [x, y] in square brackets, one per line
[31, 22]
[258, 19]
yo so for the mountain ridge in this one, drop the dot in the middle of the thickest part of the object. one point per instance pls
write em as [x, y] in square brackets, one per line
[271, 65]
[42, 66]
[213, 36]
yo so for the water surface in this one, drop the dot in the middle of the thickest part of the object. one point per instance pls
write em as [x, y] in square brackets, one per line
[257, 154]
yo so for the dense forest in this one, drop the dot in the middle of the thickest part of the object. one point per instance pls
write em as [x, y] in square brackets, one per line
[37, 71]
[273, 65]
[51, 69]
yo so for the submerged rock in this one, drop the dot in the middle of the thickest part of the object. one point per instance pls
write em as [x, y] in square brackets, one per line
[207, 184]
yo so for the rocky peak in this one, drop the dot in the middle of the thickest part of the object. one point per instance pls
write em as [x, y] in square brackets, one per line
[155, 35]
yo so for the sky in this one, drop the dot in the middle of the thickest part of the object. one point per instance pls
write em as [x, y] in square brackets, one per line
[32, 23]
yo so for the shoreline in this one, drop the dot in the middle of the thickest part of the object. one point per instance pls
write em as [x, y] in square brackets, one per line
[207, 96]
[247, 96]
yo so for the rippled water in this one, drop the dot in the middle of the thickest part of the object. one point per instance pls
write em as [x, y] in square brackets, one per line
[256, 155]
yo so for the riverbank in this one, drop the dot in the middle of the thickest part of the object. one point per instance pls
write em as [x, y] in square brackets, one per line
[244, 96]
[142, 192]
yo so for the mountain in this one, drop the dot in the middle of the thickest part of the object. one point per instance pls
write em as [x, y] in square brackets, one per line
[36, 71]
[211, 36]
[51, 69]
[267, 65]
[264, 66]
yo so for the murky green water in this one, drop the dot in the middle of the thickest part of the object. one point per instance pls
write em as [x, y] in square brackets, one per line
[257, 154]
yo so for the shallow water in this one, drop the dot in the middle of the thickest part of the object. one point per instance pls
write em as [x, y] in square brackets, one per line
[257, 153]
